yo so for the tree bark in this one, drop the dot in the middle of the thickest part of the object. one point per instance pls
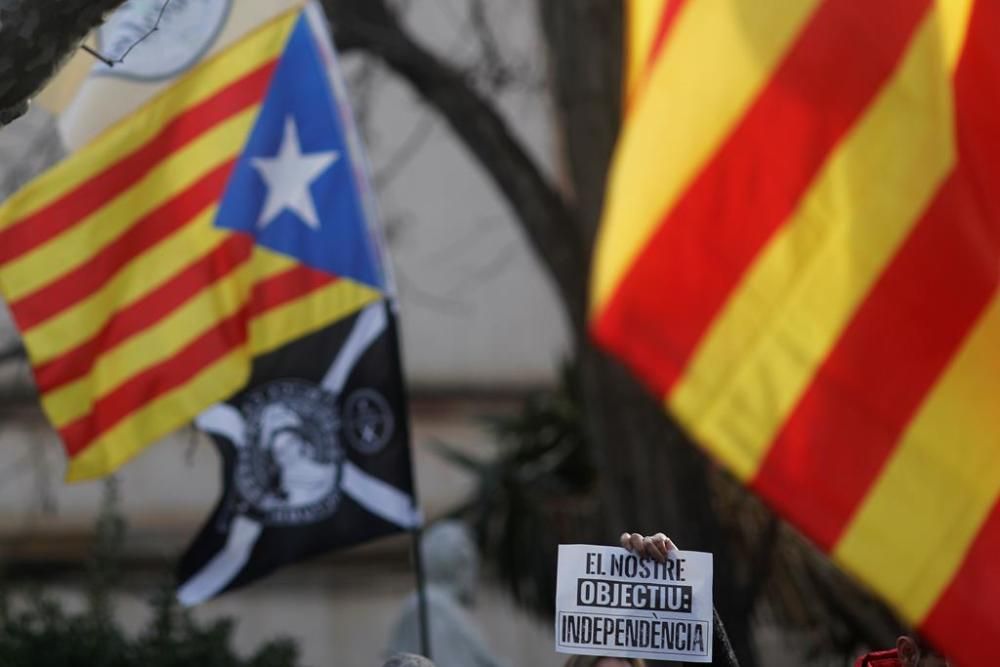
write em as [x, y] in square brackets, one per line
[36, 38]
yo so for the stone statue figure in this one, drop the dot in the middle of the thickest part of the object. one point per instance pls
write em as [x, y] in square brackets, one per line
[451, 567]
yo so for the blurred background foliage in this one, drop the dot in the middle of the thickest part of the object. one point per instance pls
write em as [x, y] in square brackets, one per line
[36, 629]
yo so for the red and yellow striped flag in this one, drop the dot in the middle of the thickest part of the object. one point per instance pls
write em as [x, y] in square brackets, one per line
[800, 254]
[136, 311]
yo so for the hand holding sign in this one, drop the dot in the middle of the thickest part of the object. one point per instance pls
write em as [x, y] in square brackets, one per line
[611, 602]
[657, 547]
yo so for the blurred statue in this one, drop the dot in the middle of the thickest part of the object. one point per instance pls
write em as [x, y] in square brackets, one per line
[451, 567]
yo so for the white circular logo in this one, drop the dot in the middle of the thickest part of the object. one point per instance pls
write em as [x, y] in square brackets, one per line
[368, 421]
[186, 30]
[290, 468]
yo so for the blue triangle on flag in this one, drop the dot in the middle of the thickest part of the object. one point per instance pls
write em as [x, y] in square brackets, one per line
[296, 186]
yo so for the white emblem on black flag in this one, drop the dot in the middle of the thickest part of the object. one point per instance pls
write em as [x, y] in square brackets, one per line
[294, 487]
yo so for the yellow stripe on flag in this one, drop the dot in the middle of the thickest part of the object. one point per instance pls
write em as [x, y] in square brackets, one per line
[170, 177]
[709, 72]
[159, 417]
[135, 280]
[261, 46]
[150, 347]
[268, 263]
[780, 322]
[953, 16]
[912, 531]
[307, 314]
[162, 340]
[642, 24]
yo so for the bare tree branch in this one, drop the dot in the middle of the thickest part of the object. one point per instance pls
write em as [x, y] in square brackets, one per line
[142, 38]
[547, 219]
[405, 152]
[494, 67]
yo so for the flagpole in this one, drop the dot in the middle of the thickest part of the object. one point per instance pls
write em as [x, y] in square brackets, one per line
[418, 565]
[722, 644]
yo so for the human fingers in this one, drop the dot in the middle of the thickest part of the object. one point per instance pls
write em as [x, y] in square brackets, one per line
[658, 546]
[637, 544]
[650, 550]
[663, 544]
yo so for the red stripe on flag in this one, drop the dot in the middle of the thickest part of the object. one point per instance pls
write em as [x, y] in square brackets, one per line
[71, 287]
[966, 618]
[287, 286]
[145, 312]
[705, 243]
[910, 325]
[835, 443]
[89, 196]
[109, 410]
[667, 20]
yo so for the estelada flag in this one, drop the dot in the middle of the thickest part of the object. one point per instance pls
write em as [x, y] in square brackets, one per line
[800, 254]
[315, 446]
[190, 230]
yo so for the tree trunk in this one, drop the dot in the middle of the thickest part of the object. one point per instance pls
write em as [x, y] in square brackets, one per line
[653, 477]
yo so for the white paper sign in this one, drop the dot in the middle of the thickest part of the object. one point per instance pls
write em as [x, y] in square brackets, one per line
[610, 602]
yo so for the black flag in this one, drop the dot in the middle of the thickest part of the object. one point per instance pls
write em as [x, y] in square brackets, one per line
[316, 456]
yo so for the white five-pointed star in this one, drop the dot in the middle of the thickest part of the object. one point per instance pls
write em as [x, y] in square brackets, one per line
[288, 176]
